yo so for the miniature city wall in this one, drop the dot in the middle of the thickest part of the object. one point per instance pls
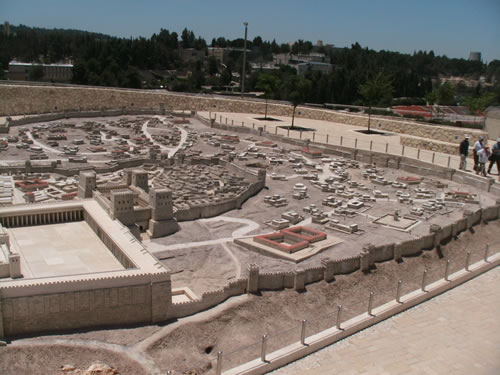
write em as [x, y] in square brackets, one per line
[369, 256]
[35, 298]
[25, 99]
[257, 183]
[141, 293]
[366, 156]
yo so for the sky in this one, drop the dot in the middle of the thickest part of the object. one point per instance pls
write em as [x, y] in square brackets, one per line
[448, 27]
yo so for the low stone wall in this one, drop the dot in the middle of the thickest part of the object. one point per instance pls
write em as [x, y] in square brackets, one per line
[20, 99]
[367, 259]
[430, 144]
[214, 209]
[207, 300]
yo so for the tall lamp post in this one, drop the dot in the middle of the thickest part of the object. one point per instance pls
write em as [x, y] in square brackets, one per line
[244, 60]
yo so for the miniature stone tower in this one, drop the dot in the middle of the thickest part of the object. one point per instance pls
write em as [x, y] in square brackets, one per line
[162, 221]
[15, 266]
[122, 208]
[140, 179]
[87, 184]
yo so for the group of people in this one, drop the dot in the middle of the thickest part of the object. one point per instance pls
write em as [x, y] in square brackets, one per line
[482, 154]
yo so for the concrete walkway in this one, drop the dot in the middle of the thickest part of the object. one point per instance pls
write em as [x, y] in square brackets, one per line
[455, 333]
[341, 134]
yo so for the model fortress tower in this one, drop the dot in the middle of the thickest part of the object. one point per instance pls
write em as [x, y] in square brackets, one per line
[87, 184]
[162, 222]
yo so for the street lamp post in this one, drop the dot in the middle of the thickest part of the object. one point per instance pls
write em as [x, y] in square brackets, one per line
[244, 60]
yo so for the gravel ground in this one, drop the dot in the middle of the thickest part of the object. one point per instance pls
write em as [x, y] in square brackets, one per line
[48, 359]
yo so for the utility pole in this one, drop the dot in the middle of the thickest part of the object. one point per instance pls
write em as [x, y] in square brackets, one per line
[244, 60]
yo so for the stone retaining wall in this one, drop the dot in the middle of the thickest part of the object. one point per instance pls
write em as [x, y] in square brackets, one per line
[15, 100]
[429, 144]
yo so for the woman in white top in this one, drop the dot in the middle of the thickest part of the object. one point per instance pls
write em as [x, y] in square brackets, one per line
[483, 156]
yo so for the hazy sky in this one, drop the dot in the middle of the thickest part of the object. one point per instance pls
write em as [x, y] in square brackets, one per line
[449, 27]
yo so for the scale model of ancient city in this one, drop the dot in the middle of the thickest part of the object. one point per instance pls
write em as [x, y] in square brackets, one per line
[132, 208]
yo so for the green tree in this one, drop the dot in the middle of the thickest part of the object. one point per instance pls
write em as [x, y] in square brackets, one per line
[213, 65]
[296, 90]
[446, 94]
[376, 90]
[268, 83]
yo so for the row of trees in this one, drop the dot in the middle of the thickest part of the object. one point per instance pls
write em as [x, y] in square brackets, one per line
[104, 60]
[296, 89]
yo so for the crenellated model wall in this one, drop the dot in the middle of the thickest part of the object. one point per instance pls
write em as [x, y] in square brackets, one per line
[140, 293]
[329, 268]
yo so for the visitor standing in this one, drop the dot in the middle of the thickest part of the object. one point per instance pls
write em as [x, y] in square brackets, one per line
[464, 152]
[483, 156]
[495, 156]
[478, 146]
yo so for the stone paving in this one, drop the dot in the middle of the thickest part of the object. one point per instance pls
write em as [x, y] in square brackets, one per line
[62, 249]
[455, 333]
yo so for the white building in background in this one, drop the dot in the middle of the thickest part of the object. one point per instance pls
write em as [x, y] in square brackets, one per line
[20, 71]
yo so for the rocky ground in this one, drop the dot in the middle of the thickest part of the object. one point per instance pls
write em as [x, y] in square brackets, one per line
[189, 345]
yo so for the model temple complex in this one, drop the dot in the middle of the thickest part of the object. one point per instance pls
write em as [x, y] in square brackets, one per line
[123, 207]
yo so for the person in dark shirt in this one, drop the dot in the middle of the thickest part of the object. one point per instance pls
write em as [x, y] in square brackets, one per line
[495, 157]
[464, 152]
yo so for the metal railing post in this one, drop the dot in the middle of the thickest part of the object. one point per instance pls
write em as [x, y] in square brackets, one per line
[403, 151]
[341, 139]
[218, 369]
[424, 277]
[303, 332]
[418, 154]
[447, 270]
[371, 145]
[263, 349]
[300, 134]
[486, 250]
[398, 291]
[327, 138]
[386, 148]
[276, 130]
[243, 124]
[339, 317]
[467, 261]
[288, 133]
[314, 136]
[433, 157]
[370, 304]
[449, 160]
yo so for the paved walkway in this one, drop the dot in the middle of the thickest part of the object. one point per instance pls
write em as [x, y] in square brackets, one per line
[455, 333]
[341, 134]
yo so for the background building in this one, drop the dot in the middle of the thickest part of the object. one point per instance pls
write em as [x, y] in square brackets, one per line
[21, 71]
